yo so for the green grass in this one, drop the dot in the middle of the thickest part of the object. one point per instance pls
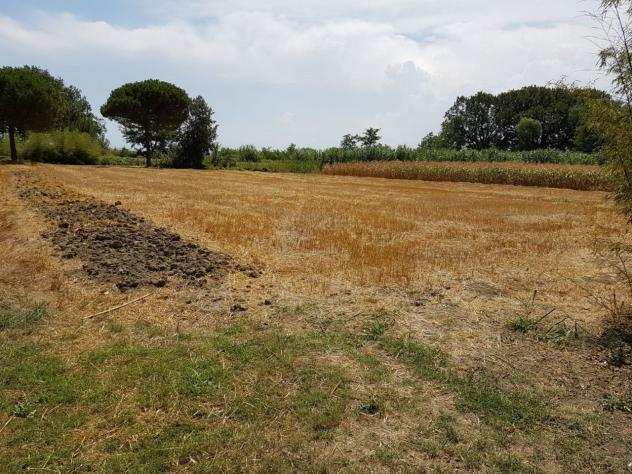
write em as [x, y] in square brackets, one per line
[253, 397]
[12, 317]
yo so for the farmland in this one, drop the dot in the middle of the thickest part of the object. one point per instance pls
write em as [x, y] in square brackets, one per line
[345, 323]
[586, 178]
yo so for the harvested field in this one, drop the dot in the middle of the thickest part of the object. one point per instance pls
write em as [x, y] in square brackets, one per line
[378, 336]
[118, 247]
[579, 177]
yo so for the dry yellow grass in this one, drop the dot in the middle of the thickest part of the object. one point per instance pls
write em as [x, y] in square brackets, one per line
[366, 231]
[584, 178]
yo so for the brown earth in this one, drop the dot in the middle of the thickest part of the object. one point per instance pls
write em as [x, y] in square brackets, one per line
[117, 247]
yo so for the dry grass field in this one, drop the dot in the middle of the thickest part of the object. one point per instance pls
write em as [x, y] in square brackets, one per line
[380, 334]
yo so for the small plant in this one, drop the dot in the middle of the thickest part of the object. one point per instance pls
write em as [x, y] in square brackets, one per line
[525, 321]
[376, 328]
[613, 403]
[558, 332]
[523, 324]
[616, 334]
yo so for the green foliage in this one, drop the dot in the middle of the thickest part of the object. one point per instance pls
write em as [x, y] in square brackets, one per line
[150, 113]
[76, 115]
[613, 120]
[275, 166]
[197, 136]
[483, 120]
[470, 122]
[613, 403]
[433, 142]
[370, 138]
[475, 392]
[528, 133]
[349, 142]
[62, 147]
[230, 157]
[30, 100]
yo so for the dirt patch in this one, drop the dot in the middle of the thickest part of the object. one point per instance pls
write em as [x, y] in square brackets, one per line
[482, 288]
[118, 247]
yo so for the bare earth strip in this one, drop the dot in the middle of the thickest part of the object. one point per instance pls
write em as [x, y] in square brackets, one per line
[375, 338]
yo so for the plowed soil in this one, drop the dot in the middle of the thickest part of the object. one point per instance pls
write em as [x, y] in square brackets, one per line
[117, 247]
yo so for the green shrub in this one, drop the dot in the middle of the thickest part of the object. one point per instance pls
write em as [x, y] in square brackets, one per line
[62, 147]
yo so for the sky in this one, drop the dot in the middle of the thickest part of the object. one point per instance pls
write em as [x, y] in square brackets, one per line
[307, 72]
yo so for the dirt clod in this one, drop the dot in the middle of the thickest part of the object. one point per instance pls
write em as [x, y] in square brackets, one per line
[115, 246]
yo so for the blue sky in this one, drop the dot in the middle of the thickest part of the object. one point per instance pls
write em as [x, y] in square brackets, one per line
[283, 71]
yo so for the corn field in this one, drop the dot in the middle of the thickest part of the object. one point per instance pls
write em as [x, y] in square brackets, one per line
[584, 178]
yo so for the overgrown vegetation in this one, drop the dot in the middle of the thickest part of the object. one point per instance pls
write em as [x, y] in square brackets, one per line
[62, 147]
[310, 159]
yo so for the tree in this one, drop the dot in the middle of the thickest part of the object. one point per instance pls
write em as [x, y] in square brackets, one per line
[613, 120]
[76, 115]
[529, 133]
[471, 122]
[432, 142]
[197, 135]
[483, 120]
[349, 142]
[150, 113]
[370, 138]
[30, 100]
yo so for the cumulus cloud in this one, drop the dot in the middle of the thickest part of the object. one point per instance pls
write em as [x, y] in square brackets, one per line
[337, 65]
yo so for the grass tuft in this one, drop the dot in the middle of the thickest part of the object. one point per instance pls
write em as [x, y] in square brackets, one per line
[16, 318]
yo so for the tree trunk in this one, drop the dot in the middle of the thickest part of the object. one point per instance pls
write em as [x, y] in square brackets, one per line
[14, 150]
[149, 154]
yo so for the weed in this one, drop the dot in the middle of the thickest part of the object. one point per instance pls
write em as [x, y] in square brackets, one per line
[475, 392]
[613, 403]
[616, 335]
[445, 426]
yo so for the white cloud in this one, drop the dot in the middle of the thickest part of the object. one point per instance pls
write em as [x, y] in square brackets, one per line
[338, 65]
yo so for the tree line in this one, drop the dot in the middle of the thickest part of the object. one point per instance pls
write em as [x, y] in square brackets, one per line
[529, 118]
[155, 116]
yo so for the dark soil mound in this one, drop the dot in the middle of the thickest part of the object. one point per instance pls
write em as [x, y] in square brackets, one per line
[118, 247]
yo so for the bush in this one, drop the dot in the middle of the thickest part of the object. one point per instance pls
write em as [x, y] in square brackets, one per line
[62, 147]
[617, 322]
